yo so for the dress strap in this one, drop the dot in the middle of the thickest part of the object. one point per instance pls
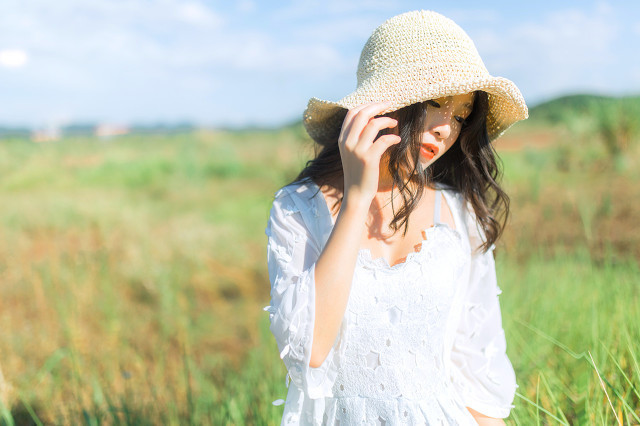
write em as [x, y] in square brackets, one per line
[436, 208]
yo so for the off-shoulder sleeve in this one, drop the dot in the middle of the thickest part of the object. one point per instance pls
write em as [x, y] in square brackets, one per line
[292, 252]
[482, 373]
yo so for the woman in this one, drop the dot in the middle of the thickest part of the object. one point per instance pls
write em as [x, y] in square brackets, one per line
[384, 300]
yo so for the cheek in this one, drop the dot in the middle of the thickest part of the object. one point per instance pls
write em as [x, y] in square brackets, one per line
[449, 143]
[454, 130]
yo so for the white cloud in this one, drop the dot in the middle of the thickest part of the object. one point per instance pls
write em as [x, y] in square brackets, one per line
[569, 37]
[168, 55]
[132, 35]
[261, 52]
[566, 50]
[197, 13]
[13, 58]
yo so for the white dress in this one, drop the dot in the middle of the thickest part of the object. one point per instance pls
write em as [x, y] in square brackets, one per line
[419, 341]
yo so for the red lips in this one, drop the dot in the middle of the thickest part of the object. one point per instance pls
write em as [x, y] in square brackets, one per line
[428, 150]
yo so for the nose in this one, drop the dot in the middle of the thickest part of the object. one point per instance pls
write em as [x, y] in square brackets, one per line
[439, 121]
[441, 130]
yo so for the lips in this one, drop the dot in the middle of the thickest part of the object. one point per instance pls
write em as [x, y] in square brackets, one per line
[428, 150]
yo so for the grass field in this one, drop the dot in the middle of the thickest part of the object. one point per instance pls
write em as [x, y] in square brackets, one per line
[134, 275]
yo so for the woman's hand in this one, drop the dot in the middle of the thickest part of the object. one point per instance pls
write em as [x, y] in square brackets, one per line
[361, 153]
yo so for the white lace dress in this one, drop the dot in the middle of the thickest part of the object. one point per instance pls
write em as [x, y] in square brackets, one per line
[420, 340]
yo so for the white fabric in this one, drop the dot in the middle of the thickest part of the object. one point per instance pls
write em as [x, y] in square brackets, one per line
[419, 342]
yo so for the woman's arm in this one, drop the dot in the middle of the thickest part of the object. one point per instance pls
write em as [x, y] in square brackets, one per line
[485, 420]
[333, 276]
[360, 155]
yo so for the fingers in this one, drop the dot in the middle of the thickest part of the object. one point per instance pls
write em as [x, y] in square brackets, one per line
[362, 116]
[357, 118]
[360, 154]
[372, 108]
[382, 144]
[372, 129]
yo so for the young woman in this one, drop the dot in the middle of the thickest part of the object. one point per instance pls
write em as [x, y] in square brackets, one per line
[384, 301]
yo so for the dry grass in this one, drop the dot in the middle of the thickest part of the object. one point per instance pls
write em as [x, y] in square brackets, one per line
[133, 272]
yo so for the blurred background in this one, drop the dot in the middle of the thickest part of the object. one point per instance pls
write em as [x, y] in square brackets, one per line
[141, 143]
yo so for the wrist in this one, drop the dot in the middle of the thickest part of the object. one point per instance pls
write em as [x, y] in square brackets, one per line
[355, 205]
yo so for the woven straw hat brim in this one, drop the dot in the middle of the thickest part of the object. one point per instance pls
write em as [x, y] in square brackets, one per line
[414, 57]
[323, 119]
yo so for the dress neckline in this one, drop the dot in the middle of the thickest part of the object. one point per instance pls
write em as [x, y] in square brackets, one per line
[429, 236]
[365, 255]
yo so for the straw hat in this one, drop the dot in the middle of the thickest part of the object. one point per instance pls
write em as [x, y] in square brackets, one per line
[414, 57]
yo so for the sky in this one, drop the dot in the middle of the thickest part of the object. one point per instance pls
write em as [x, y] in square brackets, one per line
[257, 63]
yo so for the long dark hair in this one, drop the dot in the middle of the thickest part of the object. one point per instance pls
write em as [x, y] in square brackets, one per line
[470, 166]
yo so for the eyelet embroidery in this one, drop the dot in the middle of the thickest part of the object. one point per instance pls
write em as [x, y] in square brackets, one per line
[393, 313]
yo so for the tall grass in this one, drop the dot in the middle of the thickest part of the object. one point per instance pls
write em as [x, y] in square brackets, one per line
[133, 280]
[132, 271]
[555, 312]
[560, 311]
[614, 122]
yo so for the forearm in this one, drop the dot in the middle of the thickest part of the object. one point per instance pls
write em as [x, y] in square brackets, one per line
[485, 420]
[333, 276]
[360, 153]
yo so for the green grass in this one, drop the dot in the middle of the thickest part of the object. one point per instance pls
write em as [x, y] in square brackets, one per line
[134, 276]
[556, 312]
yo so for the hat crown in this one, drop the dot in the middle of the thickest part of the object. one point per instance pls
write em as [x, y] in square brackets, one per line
[411, 58]
[422, 42]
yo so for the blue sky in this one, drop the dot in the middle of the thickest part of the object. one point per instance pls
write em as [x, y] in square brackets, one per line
[226, 63]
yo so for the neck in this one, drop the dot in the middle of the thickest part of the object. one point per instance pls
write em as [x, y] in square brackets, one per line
[381, 204]
[385, 180]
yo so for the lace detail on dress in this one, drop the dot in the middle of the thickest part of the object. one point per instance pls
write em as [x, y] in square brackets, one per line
[429, 235]
[393, 350]
[396, 315]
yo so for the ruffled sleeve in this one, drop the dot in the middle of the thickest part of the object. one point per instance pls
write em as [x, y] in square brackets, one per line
[482, 373]
[292, 251]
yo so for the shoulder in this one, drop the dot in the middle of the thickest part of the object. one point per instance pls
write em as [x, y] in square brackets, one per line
[305, 189]
[298, 205]
[465, 216]
[452, 195]
[290, 200]
[455, 201]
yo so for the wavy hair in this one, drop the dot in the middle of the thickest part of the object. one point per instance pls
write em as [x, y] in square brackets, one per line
[470, 166]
